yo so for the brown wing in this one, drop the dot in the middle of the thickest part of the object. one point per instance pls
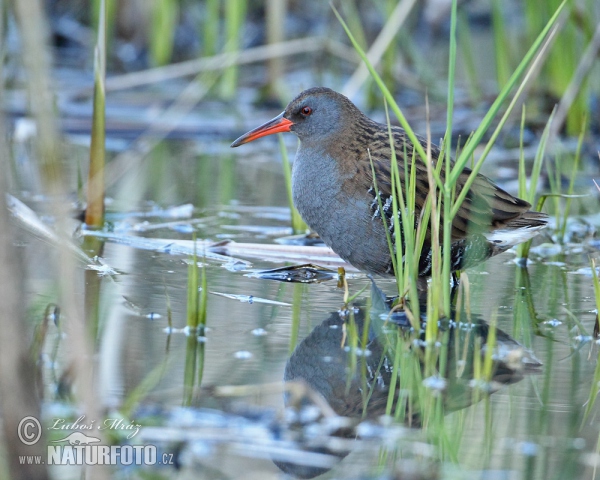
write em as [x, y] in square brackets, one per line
[486, 206]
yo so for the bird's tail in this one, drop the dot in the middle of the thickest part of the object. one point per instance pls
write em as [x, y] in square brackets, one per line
[518, 230]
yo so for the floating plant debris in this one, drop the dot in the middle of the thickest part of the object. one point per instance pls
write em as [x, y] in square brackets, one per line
[307, 273]
[251, 299]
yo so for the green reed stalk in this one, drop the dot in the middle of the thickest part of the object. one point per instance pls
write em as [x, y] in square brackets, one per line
[352, 341]
[189, 369]
[193, 294]
[298, 225]
[502, 43]
[562, 63]
[394, 378]
[524, 193]
[94, 213]
[535, 13]
[522, 172]
[367, 387]
[197, 295]
[554, 181]
[448, 185]
[525, 318]
[389, 59]
[490, 345]
[165, 16]
[235, 11]
[541, 42]
[210, 27]
[110, 13]
[203, 308]
[465, 42]
[197, 300]
[415, 237]
[403, 208]
[431, 333]
[574, 171]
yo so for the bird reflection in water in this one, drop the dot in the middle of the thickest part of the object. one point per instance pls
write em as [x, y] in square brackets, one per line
[333, 387]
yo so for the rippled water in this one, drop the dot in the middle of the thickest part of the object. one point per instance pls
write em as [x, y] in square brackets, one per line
[531, 429]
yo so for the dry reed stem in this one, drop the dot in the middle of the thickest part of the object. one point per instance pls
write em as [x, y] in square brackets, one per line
[224, 60]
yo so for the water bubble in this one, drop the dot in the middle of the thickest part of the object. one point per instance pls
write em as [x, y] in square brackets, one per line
[243, 354]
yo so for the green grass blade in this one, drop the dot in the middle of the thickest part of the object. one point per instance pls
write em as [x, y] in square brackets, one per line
[574, 171]
[448, 185]
[192, 291]
[529, 195]
[522, 173]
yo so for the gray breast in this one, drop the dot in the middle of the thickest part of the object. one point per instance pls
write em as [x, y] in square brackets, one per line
[344, 222]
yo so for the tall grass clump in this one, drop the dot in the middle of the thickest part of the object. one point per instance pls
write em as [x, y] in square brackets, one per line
[275, 18]
[423, 371]
[444, 176]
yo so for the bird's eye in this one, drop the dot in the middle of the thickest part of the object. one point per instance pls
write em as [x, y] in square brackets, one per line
[306, 111]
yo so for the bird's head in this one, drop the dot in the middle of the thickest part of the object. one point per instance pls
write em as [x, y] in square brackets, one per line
[317, 114]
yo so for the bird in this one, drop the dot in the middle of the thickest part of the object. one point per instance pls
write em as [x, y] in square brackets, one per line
[334, 191]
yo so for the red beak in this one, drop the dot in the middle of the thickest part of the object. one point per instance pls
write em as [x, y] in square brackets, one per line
[276, 125]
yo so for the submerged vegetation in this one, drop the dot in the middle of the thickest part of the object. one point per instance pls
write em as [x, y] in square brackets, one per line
[144, 342]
